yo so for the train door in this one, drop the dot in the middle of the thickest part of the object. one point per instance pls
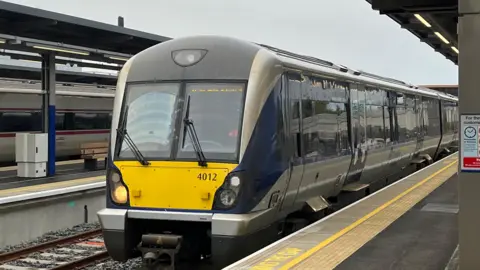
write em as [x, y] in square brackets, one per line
[292, 101]
[358, 132]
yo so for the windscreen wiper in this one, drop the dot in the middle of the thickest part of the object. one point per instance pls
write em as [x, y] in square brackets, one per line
[136, 152]
[192, 133]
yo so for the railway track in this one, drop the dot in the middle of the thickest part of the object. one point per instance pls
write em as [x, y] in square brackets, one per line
[70, 252]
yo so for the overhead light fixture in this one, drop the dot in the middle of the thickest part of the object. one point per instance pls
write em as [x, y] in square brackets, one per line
[455, 49]
[440, 36]
[422, 20]
[119, 58]
[50, 48]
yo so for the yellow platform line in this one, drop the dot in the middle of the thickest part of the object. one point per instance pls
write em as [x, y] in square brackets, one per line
[301, 258]
[42, 187]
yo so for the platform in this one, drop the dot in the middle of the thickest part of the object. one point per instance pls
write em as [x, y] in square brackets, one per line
[66, 170]
[410, 224]
[71, 177]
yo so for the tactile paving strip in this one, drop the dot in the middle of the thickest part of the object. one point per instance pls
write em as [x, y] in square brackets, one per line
[337, 251]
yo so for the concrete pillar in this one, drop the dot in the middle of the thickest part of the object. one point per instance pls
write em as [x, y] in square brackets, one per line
[469, 96]
[48, 107]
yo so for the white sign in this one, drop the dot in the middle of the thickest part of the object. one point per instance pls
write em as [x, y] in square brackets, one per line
[470, 143]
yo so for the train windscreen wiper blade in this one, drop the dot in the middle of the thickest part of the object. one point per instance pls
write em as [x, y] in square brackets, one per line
[138, 155]
[136, 152]
[192, 133]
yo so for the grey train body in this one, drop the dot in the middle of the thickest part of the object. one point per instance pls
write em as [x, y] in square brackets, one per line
[343, 131]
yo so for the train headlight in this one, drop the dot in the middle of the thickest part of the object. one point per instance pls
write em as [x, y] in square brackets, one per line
[187, 58]
[120, 194]
[227, 195]
[115, 177]
[235, 181]
[118, 190]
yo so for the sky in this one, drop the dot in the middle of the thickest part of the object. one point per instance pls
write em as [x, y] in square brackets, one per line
[346, 32]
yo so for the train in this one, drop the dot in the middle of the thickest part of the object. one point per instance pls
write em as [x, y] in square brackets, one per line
[220, 146]
[83, 114]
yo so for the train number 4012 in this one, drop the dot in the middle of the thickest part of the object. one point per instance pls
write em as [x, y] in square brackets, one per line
[207, 176]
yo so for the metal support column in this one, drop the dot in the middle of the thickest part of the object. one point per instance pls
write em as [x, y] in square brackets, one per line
[469, 96]
[48, 108]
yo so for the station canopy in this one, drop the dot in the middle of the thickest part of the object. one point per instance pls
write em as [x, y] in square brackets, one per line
[432, 21]
[26, 33]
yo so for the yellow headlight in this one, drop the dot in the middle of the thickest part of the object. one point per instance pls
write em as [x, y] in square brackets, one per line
[120, 194]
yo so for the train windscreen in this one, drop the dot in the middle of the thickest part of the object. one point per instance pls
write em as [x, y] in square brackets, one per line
[215, 110]
[150, 119]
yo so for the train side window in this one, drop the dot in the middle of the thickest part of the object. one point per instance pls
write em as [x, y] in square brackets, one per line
[278, 92]
[444, 117]
[425, 117]
[84, 121]
[109, 124]
[419, 116]
[376, 99]
[375, 126]
[410, 118]
[391, 117]
[387, 122]
[433, 117]
[295, 94]
[69, 122]
[60, 121]
[20, 122]
[308, 123]
[36, 121]
[102, 121]
[401, 122]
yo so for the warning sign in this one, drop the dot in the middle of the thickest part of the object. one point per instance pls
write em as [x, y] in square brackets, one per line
[470, 142]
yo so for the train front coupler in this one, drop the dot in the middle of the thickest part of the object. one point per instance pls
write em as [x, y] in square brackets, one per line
[159, 250]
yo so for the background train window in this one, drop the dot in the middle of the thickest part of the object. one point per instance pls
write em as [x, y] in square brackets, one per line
[84, 121]
[60, 121]
[20, 121]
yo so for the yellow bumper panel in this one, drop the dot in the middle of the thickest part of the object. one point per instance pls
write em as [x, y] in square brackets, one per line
[173, 184]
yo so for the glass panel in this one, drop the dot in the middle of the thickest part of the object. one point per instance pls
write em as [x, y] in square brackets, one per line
[216, 110]
[150, 119]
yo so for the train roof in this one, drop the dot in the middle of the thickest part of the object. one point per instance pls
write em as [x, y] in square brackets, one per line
[309, 62]
[243, 53]
[22, 86]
